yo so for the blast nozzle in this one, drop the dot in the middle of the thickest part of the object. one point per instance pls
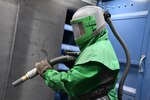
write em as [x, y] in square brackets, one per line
[29, 75]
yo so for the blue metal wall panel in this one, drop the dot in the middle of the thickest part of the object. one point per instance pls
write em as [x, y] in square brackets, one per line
[145, 95]
[131, 31]
[131, 83]
[125, 6]
[128, 97]
[131, 19]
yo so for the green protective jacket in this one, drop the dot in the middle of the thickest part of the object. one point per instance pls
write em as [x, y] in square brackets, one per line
[85, 75]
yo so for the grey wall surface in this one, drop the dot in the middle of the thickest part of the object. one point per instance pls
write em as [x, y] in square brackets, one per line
[7, 25]
[30, 30]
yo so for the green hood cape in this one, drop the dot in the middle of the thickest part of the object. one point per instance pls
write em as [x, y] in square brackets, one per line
[79, 80]
[99, 49]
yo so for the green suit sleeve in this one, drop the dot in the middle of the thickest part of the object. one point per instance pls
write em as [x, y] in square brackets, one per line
[80, 79]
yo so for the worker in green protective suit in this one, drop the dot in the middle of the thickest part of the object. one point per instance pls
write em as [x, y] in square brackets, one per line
[95, 72]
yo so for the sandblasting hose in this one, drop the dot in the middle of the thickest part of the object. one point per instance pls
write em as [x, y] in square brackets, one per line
[32, 73]
[128, 61]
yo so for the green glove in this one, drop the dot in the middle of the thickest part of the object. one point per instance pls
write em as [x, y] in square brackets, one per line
[43, 66]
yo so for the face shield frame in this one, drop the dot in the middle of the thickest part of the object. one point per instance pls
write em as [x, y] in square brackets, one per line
[83, 28]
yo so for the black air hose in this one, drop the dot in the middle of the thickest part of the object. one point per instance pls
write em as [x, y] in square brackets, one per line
[128, 61]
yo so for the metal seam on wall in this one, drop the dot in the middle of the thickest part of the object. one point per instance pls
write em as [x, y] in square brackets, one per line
[12, 49]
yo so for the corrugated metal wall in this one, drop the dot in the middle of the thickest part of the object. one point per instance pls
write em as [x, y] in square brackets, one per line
[29, 30]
